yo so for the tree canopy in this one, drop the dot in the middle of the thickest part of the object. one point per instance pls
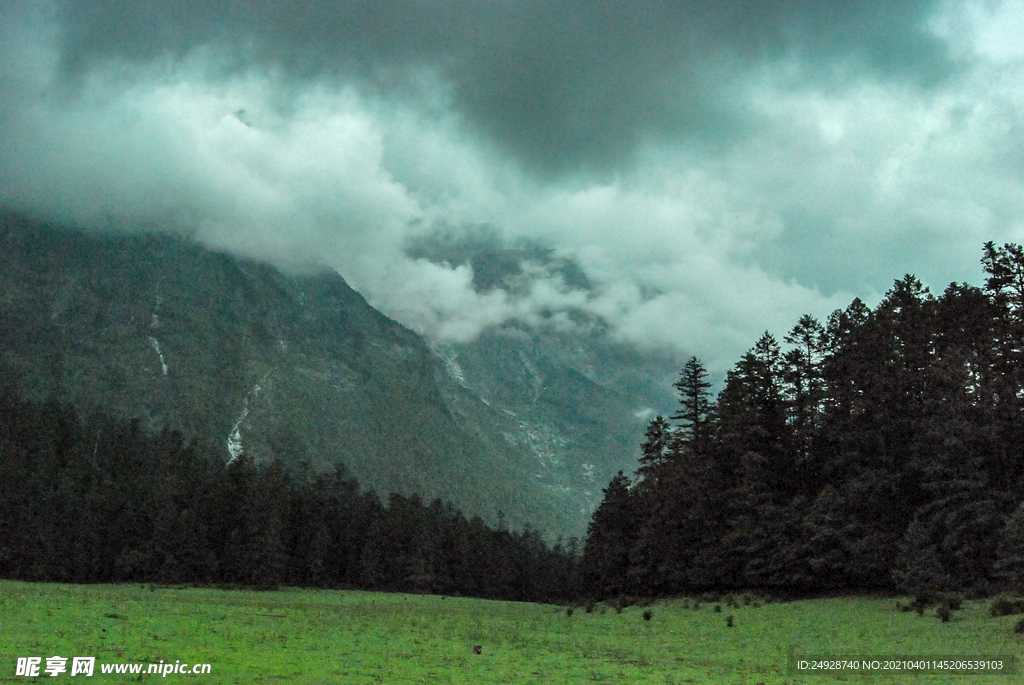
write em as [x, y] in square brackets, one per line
[883, 449]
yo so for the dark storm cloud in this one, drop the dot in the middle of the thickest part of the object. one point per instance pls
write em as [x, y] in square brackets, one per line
[690, 172]
[561, 86]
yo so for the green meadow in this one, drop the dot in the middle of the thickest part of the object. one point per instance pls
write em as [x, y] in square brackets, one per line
[325, 636]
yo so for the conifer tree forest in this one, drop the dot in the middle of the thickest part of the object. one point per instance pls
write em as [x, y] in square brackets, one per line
[880, 450]
[101, 500]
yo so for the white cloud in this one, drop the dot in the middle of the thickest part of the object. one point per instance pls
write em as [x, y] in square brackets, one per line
[834, 192]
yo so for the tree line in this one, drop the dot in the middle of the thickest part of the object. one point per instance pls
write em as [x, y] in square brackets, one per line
[99, 499]
[883, 450]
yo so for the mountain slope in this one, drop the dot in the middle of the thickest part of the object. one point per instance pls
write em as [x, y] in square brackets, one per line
[577, 403]
[290, 367]
[519, 424]
[567, 390]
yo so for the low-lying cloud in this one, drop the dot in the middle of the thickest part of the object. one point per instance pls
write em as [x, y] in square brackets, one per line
[690, 173]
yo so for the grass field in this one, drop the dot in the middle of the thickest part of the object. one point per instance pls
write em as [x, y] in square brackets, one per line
[319, 636]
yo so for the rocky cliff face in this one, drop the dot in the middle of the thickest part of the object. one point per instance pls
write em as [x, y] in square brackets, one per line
[302, 369]
[578, 405]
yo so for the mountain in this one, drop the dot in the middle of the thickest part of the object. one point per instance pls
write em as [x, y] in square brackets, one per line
[521, 425]
[578, 400]
[577, 406]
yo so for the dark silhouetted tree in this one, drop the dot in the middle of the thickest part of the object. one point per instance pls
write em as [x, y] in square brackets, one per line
[695, 404]
[609, 539]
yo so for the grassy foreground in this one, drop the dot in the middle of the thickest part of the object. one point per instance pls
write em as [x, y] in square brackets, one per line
[319, 636]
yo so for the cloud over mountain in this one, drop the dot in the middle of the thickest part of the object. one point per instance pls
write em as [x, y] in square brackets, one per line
[708, 169]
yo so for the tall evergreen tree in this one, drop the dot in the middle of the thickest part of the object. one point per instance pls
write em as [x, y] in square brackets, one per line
[1009, 567]
[656, 450]
[610, 536]
[1005, 268]
[805, 388]
[695, 405]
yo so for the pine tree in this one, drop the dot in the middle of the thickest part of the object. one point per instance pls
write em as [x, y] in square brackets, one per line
[844, 331]
[805, 385]
[695, 402]
[752, 423]
[918, 570]
[1010, 565]
[655, 450]
[609, 538]
[826, 540]
[267, 516]
[1005, 269]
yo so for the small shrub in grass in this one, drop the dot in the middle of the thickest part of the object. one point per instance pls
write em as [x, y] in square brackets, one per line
[943, 613]
[589, 608]
[747, 600]
[728, 620]
[696, 605]
[918, 604]
[1019, 628]
[568, 611]
[1006, 607]
[718, 608]
[647, 615]
[951, 602]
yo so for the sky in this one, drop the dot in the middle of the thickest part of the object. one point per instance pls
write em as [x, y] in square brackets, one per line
[692, 173]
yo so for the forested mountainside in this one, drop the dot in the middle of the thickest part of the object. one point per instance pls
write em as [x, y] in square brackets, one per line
[301, 369]
[101, 500]
[883, 449]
